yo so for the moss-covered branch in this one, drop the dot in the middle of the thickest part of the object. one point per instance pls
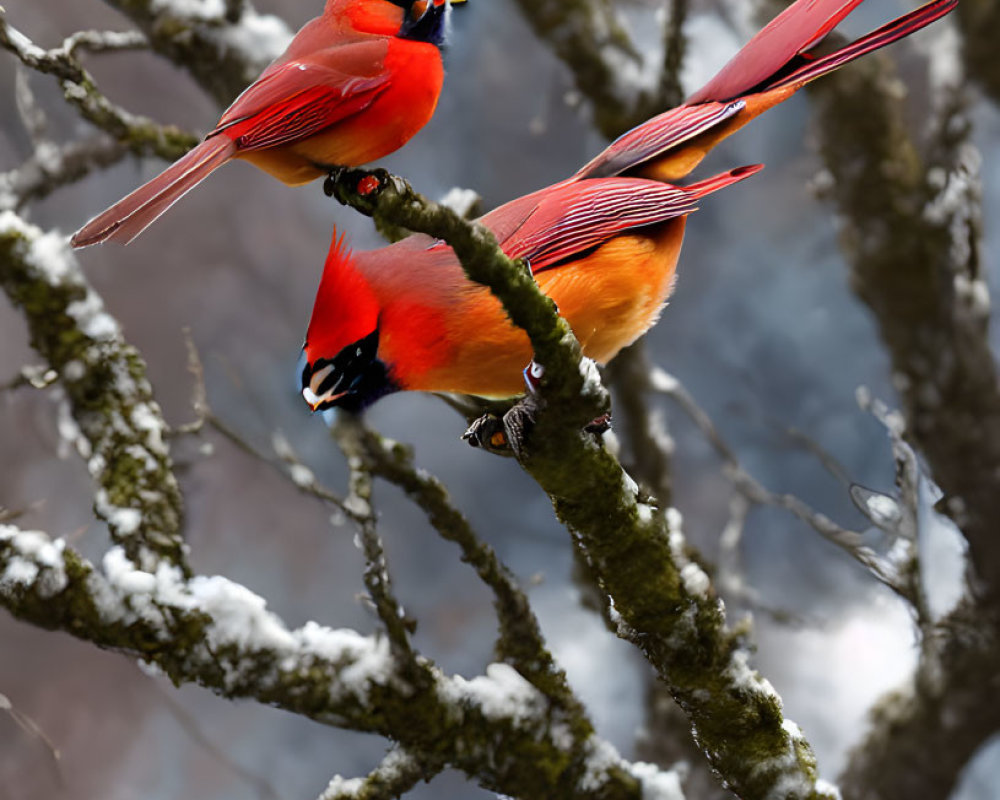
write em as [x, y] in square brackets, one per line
[114, 422]
[520, 642]
[664, 602]
[141, 135]
[399, 772]
[497, 728]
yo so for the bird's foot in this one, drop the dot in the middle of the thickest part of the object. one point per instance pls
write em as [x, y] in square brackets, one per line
[367, 183]
[505, 435]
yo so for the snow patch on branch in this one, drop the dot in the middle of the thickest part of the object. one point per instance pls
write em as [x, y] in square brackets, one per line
[50, 258]
[36, 558]
[92, 319]
[656, 783]
[237, 618]
[696, 583]
[343, 787]
[745, 679]
[461, 201]
[202, 10]
[499, 694]
[259, 36]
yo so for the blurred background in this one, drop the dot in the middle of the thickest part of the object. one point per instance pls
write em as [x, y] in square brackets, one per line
[763, 329]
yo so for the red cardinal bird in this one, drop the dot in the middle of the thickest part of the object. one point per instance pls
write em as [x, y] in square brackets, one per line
[602, 244]
[354, 85]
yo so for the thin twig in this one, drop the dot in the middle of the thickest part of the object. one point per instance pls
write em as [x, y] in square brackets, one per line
[348, 432]
[520, 641]
[35, 731]
[883, 569]
[189, 724]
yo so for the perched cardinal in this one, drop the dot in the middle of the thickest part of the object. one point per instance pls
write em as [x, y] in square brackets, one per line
[602, 244]
[354, 85]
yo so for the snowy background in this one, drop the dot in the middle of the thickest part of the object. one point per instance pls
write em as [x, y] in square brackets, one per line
[763, 330]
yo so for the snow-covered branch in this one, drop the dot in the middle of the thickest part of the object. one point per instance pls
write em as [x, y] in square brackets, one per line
[139, 134]
[219, 634]
[112, 419]
[399, 772]
[224, 44]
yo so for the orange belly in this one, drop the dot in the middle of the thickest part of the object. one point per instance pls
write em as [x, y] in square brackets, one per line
[610, 298]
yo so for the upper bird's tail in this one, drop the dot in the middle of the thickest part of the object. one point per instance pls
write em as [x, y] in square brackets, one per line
[131, 215]
[768, 69]
[810, 69]
[778, 55]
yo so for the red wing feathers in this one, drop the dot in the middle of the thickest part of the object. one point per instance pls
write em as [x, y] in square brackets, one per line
[650, 139]
[583, 215]
[336, 67]
[304, 114]
[296, 99]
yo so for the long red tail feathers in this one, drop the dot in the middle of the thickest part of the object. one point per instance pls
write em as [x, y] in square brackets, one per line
[721, 181]
[793, 32]
[893, 31]
[131, 215]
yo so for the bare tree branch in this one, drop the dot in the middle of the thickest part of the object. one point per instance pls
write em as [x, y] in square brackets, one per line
[32, 729]
[590, 39]
[141, 135]
[520, 639]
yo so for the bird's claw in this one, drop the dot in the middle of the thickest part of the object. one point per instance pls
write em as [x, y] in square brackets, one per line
[363, 182]
[487, 433]
[504, 435]
[332, 179]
